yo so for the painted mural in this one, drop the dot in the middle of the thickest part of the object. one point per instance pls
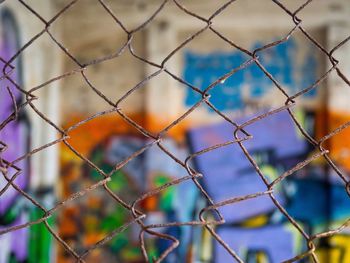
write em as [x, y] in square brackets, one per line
[313, 196]
[317, 201]
[96, 215]
[31, 244]
[15, 134]
[250, 85]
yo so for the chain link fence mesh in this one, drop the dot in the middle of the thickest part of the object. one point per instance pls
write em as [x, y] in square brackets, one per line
[239, 137]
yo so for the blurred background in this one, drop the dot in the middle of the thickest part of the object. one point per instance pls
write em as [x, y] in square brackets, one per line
[82, 62]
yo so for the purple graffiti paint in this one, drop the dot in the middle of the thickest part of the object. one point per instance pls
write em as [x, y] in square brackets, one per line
[228, 173]
[15, 133]
[15, 136]
[244, 240]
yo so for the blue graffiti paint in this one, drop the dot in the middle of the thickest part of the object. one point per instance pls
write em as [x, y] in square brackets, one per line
[309, 75]
[202, 70]
[309, 202]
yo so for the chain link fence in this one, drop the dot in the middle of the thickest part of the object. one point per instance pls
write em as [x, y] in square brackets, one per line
[210, 216]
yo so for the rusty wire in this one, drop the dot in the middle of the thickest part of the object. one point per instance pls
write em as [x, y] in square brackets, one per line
[156, 139]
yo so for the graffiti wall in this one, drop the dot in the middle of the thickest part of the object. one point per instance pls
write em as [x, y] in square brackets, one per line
[250, 86]
[313, 195]
[315, 200]
[92, 218]
[202, 70]
[21, 245]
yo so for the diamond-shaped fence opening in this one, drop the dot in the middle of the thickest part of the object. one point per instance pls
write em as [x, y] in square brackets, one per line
[174, 131]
